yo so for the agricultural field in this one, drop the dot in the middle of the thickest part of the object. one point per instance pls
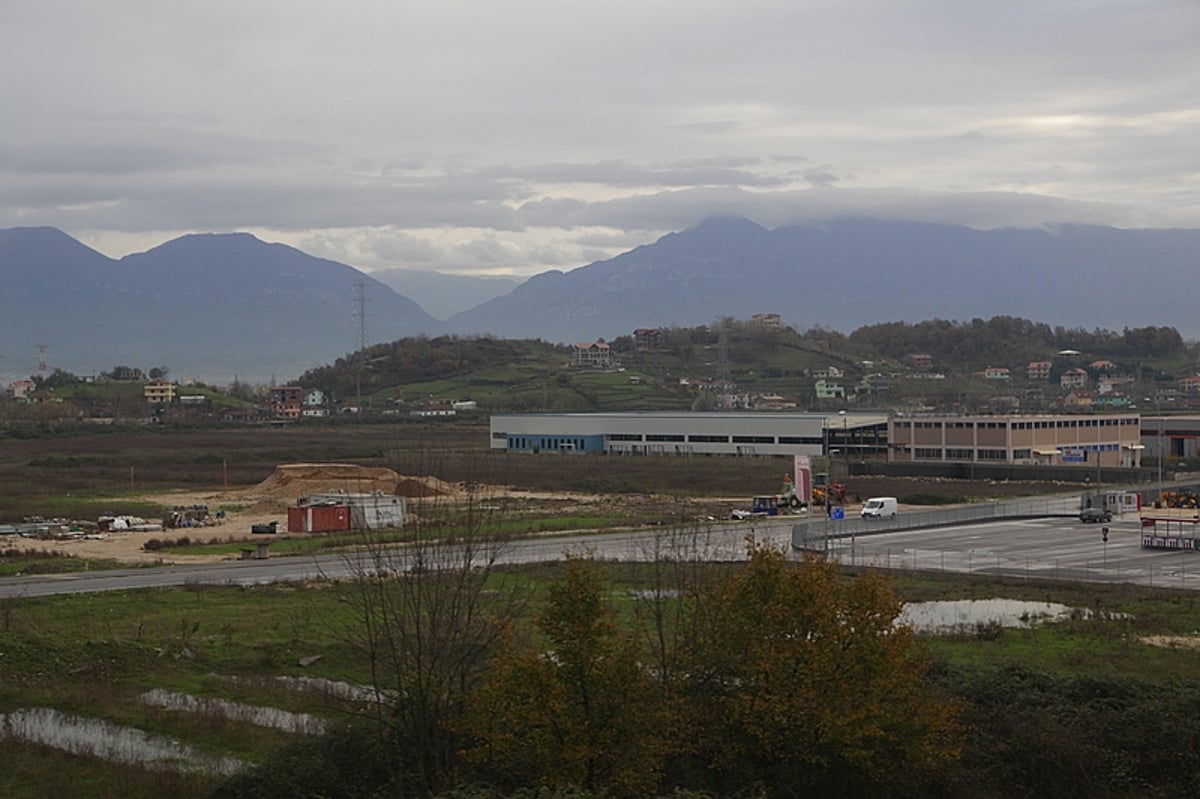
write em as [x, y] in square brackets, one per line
[235, 676]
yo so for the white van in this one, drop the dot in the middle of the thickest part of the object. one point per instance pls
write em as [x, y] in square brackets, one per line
[878, 507]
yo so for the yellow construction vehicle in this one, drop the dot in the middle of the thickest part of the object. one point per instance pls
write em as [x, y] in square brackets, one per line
[1178, 498]
[837, 491]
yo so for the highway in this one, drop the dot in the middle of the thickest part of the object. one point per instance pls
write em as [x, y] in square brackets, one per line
[1058, 547]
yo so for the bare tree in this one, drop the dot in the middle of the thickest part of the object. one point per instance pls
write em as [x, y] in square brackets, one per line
[426, 614]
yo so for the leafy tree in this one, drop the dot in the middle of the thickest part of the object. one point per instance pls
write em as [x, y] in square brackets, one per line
[584, 714]
[798, 677]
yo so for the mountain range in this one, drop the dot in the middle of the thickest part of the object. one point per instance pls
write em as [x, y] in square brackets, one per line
[219, 305]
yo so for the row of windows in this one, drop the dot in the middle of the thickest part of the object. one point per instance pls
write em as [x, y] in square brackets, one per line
[933, 454]
[709, 439]
[548, 442]
[1058, 424]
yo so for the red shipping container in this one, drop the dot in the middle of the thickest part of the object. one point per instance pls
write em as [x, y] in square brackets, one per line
[319, 519]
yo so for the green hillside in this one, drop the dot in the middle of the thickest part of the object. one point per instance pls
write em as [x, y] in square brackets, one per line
[695, 368]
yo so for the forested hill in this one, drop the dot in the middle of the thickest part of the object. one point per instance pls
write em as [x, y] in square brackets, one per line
[1002, 339]
[528, 374]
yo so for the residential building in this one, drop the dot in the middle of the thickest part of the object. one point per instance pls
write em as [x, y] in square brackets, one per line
[769, 320]
[647, 338]
[826, 389]
[286, 401]
[1038, 370]
[997, 373]
[1106, 384]
[1190, 384]
[1073, 378]
[596, 354]
[919, 360]
[159, 392]
[1078, 399]
[22, 389]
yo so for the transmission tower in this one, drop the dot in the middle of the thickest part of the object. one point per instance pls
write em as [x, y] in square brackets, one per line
[42, 359]
[723, 375]
[360, 313]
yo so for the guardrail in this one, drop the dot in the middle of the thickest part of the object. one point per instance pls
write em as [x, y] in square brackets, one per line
[815, 532]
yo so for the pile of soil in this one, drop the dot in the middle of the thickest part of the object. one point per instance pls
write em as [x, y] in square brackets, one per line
[291, 481]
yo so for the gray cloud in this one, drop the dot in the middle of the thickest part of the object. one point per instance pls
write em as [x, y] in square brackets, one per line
[529, 135]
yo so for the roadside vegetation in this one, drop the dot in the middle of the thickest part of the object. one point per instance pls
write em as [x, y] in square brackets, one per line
[1083, 707]
[577, 679]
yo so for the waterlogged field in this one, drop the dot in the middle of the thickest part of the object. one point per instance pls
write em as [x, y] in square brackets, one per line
[174, 688]
[155, 693]
[138, 693]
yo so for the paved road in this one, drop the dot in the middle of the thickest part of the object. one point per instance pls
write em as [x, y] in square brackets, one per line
[1059, 547]
[1032, 548]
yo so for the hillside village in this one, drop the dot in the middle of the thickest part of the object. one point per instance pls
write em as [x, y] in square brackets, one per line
[756, 364]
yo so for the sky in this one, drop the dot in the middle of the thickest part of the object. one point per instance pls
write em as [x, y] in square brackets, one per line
[518, 136]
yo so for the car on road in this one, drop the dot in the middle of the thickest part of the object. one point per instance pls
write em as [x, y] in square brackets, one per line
[1094, 515]
[879, 507]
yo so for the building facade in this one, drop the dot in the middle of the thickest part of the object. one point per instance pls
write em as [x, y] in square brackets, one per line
[1074, 440]
[684, 433]
[159, 392]
[596, 354]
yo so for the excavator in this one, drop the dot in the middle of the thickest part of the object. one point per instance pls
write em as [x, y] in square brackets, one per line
[824, 487]
[1179, 498]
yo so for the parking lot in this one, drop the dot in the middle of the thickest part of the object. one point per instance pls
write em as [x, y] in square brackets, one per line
[1057, 547]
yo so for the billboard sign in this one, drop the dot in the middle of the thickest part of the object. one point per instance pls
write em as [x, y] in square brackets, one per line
[803, 478]
[1073, 455]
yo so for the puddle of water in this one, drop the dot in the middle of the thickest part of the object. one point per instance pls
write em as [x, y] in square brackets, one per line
[260, 716]
[953, 615]
[319, 685]
[97, 738]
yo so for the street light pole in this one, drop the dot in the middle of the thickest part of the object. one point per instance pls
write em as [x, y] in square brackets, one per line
[1161, 453]
[1158, 448]
[845, 442]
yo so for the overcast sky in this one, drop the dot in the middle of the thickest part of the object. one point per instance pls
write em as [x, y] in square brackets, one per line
[516, 136]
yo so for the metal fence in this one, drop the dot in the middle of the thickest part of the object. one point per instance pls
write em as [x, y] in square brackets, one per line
[1174, 569]
[817, 530]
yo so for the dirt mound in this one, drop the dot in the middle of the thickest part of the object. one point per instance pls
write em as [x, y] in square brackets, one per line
[291, 481]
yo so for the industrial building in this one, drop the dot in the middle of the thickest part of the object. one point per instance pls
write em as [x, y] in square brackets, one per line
[684, 433]
[1047, 440]
[1109, 440]
[1174, 435]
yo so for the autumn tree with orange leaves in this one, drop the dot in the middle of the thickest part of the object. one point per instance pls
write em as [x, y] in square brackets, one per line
[583, 712]
[787, 677]
[799, 676]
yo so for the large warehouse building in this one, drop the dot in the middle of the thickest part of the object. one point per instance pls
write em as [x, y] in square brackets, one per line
[667, 433]
[1115, 439]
